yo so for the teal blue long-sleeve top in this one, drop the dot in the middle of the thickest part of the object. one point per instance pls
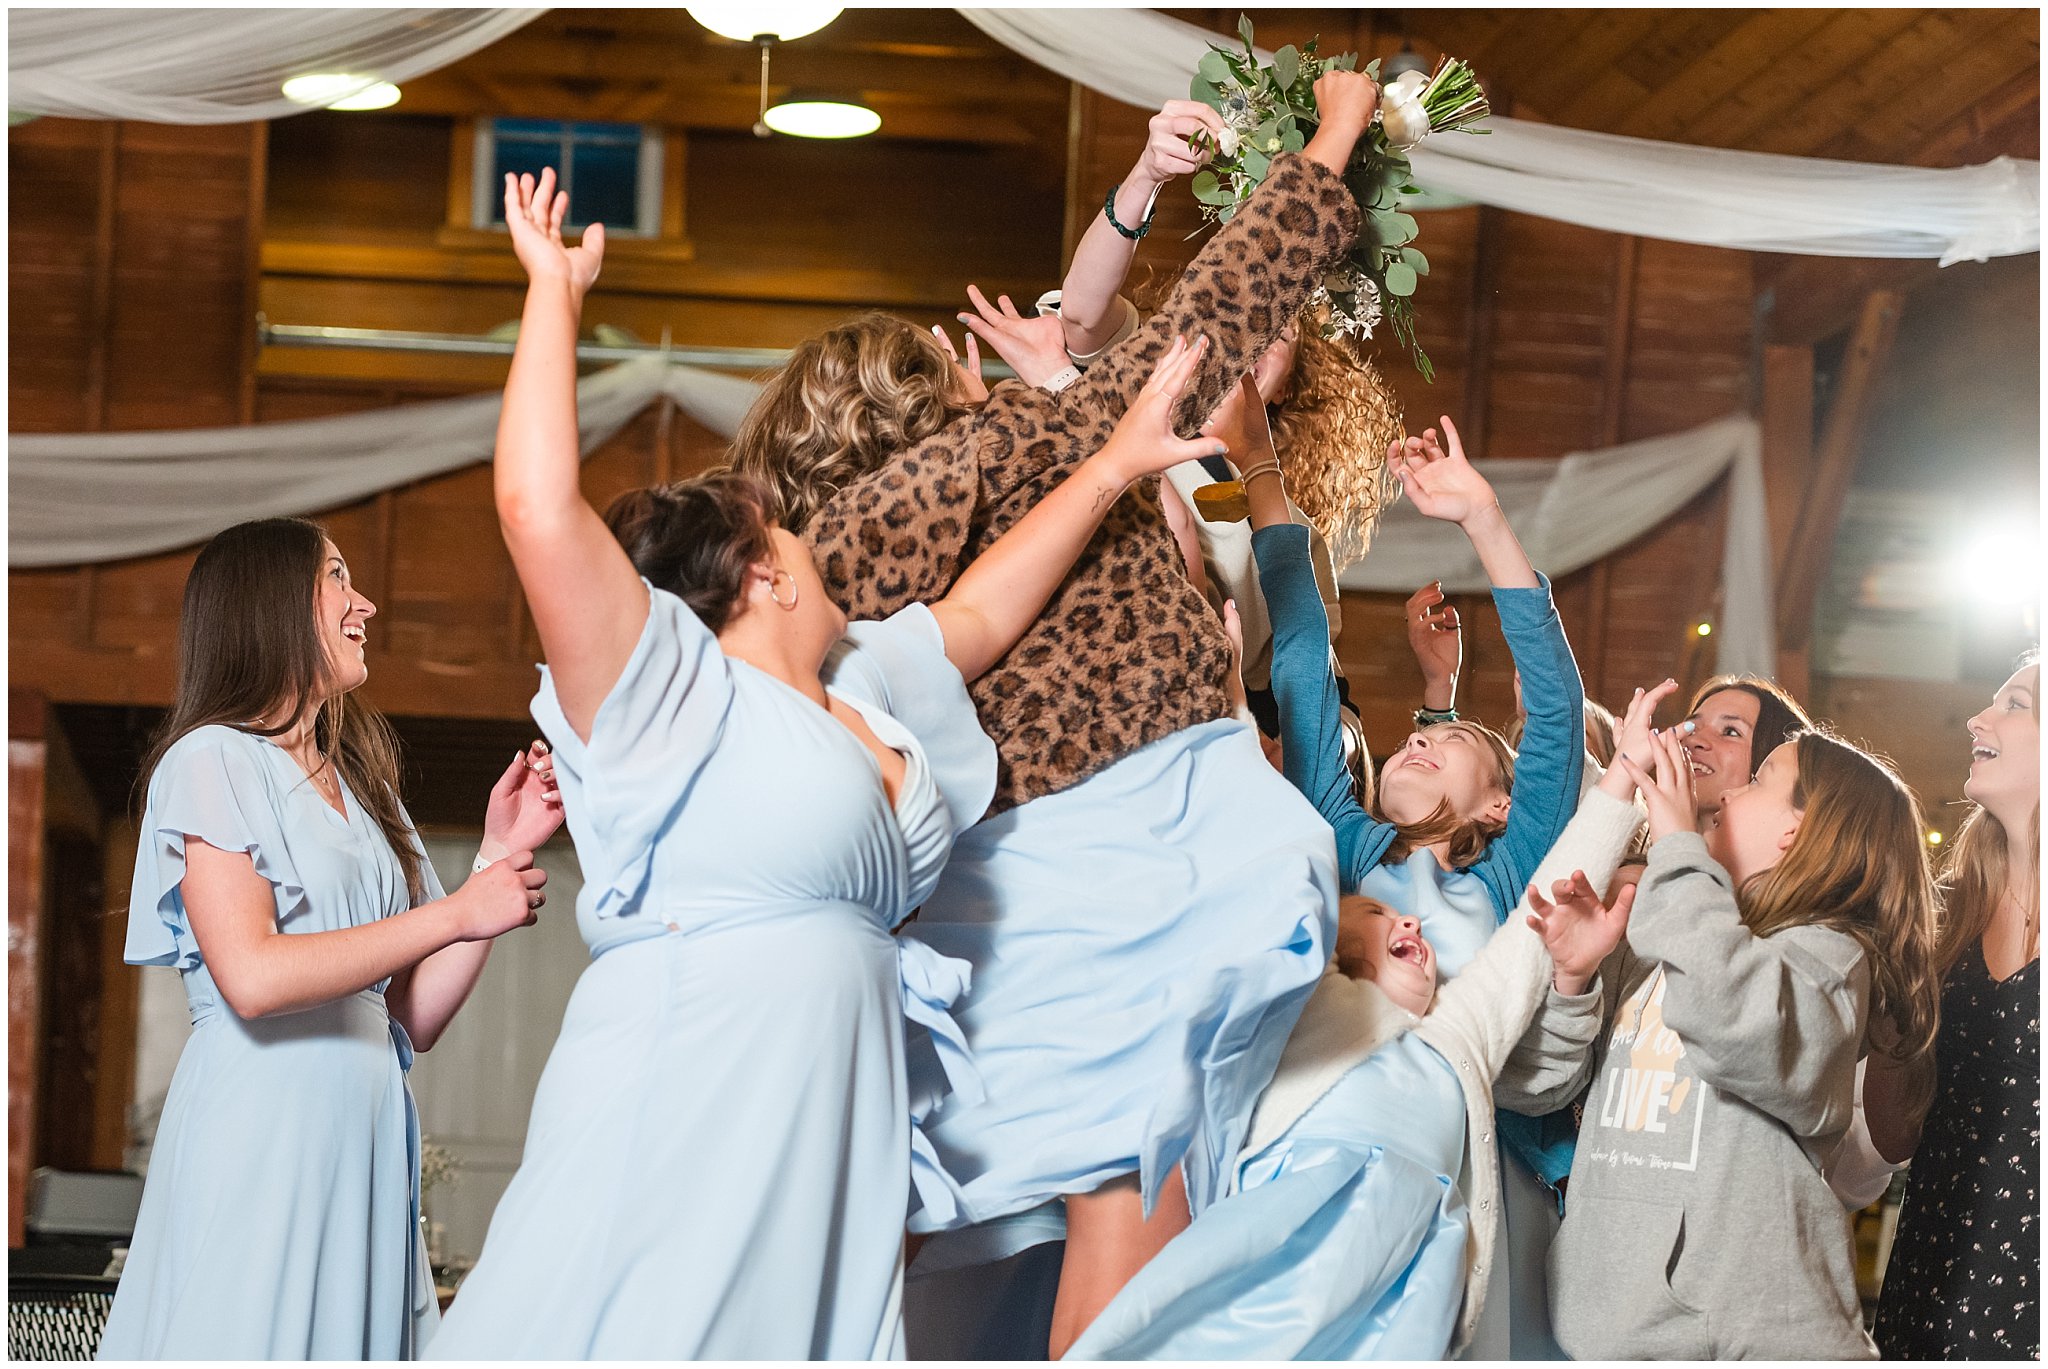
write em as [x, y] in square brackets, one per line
[1548, 768]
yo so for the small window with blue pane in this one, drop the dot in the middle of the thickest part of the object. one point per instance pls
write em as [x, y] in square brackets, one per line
[611, 171]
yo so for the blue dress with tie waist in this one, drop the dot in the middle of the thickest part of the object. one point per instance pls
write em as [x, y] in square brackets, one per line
[279, 1218]
[723, 1147]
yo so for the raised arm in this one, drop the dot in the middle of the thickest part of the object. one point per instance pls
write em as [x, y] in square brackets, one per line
[1777, 1021]
[1089, 309]
[1304, 688]
[1493, 1000]
[585, 597]
[1002, 593]
[1258, 270]
[1443, 484]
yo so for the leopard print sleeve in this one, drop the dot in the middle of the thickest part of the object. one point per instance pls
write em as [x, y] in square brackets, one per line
[898, 535]
[1253, 276]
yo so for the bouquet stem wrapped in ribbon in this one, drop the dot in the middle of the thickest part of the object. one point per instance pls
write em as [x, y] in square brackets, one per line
[1271, 109]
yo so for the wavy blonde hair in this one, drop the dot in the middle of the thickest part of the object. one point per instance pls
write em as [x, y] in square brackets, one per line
[844, 403]
[1858, 865]
[1333, 430]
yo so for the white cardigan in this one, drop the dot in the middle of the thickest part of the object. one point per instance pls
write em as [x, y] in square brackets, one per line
[1474, 1023]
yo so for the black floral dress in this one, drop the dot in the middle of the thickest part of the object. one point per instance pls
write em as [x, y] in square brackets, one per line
[1962, 1282]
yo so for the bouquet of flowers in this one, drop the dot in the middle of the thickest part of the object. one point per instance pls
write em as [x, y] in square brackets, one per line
[1269, 110]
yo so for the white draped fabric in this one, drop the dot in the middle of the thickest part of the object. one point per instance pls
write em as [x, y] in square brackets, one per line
[1746, 200]
[90, 497]
[1571, 512]
[102, 496]
[216, 66]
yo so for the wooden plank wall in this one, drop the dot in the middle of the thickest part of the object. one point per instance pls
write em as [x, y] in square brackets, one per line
[355, 237]
[1546, 339]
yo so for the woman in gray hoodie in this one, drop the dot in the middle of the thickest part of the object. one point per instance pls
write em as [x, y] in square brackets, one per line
[1762, 959]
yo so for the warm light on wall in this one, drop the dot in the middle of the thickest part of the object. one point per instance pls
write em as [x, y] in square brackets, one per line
[339, 90]
[1703, 630]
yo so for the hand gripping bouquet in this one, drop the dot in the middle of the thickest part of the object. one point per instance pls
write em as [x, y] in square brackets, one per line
[1336, 427]
[1271, 109]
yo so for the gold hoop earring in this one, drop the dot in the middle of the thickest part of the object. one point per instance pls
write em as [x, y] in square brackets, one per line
[793, 590]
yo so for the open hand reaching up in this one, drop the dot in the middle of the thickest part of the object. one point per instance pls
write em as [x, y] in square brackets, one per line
[1035, 347]
[1577, 929]
[1438, 479]
[1668, 789]
[534, 213]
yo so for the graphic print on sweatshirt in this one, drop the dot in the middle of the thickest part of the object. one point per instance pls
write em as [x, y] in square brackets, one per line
[1648, 1104]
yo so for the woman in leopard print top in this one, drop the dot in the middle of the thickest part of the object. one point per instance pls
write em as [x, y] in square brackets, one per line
[1141, 947]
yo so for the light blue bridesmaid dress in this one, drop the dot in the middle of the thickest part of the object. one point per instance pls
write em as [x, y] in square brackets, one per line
[722, 1150]
[1345, 1238]
[279, 1219]
[1142, 944]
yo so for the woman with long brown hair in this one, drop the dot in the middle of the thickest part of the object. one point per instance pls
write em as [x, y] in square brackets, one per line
[1764, 956]
[278, 873]
[1962, 1281]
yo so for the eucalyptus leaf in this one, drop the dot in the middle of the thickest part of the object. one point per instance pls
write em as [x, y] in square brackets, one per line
[1213, 67]
[1209, 190]
[1405, 225]
[1255, 163]
[1372, 68]
[1400, 279]
[1244, 28]
[1200, 90]
[1417, 263]
[1293, 140]
[1286, 66]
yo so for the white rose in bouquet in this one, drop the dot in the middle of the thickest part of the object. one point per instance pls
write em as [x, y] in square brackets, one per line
[1402, 117]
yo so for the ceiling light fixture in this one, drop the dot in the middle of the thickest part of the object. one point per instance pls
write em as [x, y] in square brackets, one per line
[746, 21]
[806, 115]
[339, 90]
[769, 24]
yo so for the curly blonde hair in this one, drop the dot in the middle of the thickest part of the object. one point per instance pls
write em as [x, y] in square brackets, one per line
[1333, 430]
[845, 402]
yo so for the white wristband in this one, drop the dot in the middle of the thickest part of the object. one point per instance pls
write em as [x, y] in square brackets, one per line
[1061, 379]
[480, 864]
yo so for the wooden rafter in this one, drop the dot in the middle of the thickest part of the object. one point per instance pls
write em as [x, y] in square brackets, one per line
[1813, 539]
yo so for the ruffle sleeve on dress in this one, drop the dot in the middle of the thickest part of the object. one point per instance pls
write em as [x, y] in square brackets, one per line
[212, 785]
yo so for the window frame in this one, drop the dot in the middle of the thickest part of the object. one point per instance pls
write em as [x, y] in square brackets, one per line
[486, 194]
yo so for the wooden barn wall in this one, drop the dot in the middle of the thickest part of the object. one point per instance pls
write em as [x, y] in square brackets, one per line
[1546, 339]
[136, 290]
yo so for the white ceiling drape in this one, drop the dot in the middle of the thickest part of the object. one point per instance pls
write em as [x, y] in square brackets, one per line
[196, 66]
[1746, 200]
[224, 66]
[90, 497]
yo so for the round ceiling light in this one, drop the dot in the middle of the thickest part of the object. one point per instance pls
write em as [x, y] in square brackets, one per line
[744, 21]
[337, 90]
[811, 118]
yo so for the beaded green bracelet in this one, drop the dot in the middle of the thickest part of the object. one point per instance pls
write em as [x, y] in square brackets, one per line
[1430, 717]
[1109, 212]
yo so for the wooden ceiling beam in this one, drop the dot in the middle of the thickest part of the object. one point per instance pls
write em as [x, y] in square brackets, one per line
[733, 109]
